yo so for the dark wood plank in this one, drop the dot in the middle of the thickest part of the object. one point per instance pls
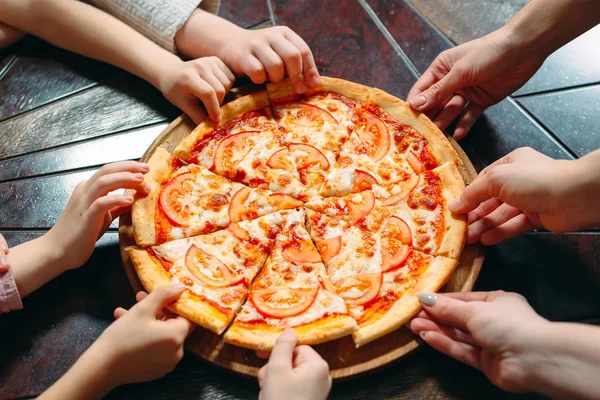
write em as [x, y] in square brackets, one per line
[123, 103]
[43, 73]
[244, 13]
[415, 36]
[121, 146]
[347, 43]
[572, 116]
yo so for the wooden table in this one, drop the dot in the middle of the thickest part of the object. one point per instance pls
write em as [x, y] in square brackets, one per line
[62, 116]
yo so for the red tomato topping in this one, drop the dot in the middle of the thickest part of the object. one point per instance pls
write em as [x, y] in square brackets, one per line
[307, 155]
[303, 252]
[329, 248]
[359, 210]
[309, 112]
[367, 286]
[283, 201]
[231, 150]
[415, 162]
[282, 302]
[280, 160]
[363, 181]
[237, 209]
[374, 134]
[173, 199]
[407, 188]
[396, 244]
[237, 231]
[198, 261]
[327, 285]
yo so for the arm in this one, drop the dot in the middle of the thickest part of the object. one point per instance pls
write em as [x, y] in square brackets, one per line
[9, 35]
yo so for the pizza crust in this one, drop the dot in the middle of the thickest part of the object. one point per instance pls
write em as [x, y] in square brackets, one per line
[144, 207]
[153, 275]
[401, 112]
[438, 273]
[283, 90]
[229, 112]
[263, 337]
[456, 225]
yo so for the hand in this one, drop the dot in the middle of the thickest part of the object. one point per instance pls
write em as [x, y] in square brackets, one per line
[4, 264]
[463, 81]
[9, 35]
[494, 332]
[92, 209]
[525, 190]
[207, 79]
[293, 372]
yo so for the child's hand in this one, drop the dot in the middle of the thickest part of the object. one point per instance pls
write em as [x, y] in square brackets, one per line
[205, 79]
[9, 35]
[294, 372]
[92, 209]
[4, 265]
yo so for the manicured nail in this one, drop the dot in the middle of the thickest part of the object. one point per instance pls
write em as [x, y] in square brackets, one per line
[454, 204]
[427, 298]
[422, 334]
[418, 102]
[314, 81]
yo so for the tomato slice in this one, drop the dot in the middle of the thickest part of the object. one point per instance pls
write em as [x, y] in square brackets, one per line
[415, 162]
[398, 229]
[396, 243]
[327, 285]
[329, 248]
[237, 231]
[280, 160]
[173, 200]
[198, 262]
[359, 290]
[303, 252]
[231, 150]
[283, 201]
[363, 181]
[282, 302]
[374, 134]
[310, 112]
[237, 209]
[307, 155]
[359, 209]
[406, 186]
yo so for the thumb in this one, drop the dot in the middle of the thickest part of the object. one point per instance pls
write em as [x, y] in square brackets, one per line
[283, 351]
[159, 299]
[481, 189]
[435, 95]
[446, 309]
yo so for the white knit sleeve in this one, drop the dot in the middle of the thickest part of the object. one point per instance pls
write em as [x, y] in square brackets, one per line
[158, 20]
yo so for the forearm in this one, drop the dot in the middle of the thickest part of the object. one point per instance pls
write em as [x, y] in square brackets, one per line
[83, 29]
[547, 25]
[568, 362]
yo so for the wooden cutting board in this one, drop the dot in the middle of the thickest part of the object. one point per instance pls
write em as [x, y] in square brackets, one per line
[344, 359]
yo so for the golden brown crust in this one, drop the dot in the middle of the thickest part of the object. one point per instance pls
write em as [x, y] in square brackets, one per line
[283, 89]
[408, 305]
[230, 111]
[263, 337]
[152, 275]
[455, 232]
[144, 207]
[401, 111]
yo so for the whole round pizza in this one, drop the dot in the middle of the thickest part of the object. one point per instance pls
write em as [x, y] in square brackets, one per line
[325, 212]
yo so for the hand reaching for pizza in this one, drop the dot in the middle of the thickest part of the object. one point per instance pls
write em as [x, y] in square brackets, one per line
[294, 372]
[92, 209]
[526, 190]
[270, 53]
[9, 35]
[4, 265]
[205, 79]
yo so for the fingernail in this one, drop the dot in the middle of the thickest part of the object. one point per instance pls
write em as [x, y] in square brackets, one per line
[418, 102]
[145, 167]
[422, 334]
[427, 298]
[139, 177]
[179, 286]
[454, 204]
[315, 81]
[146, 187]
[301, 87]
[128, 198]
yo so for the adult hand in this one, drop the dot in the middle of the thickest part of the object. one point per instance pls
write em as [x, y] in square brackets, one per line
[294, 372]
[526, 189]
[494, 332]
[463, 81]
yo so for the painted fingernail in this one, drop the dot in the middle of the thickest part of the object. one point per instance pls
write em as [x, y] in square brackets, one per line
[454, 204]
[314, 81]
[427, 298]
[422, 334]
[418, 102]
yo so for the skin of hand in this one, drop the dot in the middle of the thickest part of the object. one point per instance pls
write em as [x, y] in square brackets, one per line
[294, 372]
[4, 265]
[9, 35]
[526, 190]
[462, 82]
[270, 53]
[518, 350]
[144, 344]
[88, 214]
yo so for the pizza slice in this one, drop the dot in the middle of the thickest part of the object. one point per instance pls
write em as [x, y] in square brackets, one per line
[287, 293]
[217, 269]
[188, 200]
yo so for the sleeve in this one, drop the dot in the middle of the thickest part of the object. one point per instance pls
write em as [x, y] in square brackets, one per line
[158, 20]
[9, 294]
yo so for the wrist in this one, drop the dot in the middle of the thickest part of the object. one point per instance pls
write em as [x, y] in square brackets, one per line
[159, 73]
[55, 253]
[583, 190]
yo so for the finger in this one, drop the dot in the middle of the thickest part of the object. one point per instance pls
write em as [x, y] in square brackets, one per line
[305, 355]
[224, 76]
[480, 190]
[469, 296]
[159, 299]
[271, 61]
[254, 69]
[118, 211]
[219, 89]
[282, 353]
[450, 112]
[119, 312]
[426, 80]
[419, 325]
[4, 264]
[181, 326]
[206, 93]
[467, 120]
[445, 309]
[9, 35]
[460, 351]
[118, 180]
[293, 63]
[508, 230]
[437, 92]
[3, 245]
[101, 207]
[423, 314]
[191, 107]
[263, 354]
[122, 166]
[262, 374]
[484, 209]
[309, 67]
[500, 215]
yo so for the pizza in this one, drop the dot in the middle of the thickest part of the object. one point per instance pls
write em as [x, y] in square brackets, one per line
[325, 212]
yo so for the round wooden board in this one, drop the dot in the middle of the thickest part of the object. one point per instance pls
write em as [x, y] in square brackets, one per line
[344, 359]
